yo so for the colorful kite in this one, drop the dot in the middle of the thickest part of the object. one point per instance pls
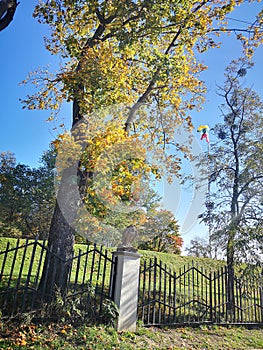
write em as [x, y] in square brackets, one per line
[204, 130]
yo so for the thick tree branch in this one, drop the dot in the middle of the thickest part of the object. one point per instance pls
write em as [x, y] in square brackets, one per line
[246, 185]
[233, 30]
[89, 44]
[7, 12]
[150, 87]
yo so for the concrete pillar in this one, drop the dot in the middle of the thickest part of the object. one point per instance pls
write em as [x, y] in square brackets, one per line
[125, 293]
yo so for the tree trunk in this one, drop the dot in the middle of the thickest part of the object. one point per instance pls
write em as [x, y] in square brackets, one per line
[61, 237]
[232, 232]
[61, 234]
[231, 276]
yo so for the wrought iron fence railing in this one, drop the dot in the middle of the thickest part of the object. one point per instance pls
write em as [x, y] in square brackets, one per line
[193, 295]
[21, 267]
[190, 295]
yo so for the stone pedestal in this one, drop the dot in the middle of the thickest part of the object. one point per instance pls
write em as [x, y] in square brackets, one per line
[126, 288]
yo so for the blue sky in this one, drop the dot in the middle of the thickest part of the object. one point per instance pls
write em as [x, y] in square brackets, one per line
[27, 134]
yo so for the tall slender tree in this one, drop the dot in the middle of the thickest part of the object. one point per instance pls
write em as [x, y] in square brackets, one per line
[236, 172]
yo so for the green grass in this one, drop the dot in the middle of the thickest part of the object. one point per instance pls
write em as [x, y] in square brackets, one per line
[174, 262]
[65, 336]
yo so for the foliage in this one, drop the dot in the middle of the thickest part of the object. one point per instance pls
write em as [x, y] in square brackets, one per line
[78, 309]
[116, 177]
[113, 188]
[161, 232]
[236, 169]
[27, 196]
[198, 248]
[133, 53]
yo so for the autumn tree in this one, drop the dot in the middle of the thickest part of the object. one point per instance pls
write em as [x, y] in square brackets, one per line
[236, 172]
[108, 230]
[117, 192]
[7, 12]
[139, 54]
[161, 232]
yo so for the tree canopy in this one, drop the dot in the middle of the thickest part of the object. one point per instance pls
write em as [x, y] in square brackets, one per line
[27, 196]
[133, 53]
[160, 232]
[140, 55]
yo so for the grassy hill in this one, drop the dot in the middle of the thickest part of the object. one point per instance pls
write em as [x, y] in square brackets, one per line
[174, 262]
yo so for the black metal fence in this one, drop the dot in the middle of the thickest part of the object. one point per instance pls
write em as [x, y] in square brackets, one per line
[91, 276]
[193, 295]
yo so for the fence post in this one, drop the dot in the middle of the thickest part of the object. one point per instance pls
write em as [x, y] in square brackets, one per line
[261, 301]
[125, 293]
[211, 297]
